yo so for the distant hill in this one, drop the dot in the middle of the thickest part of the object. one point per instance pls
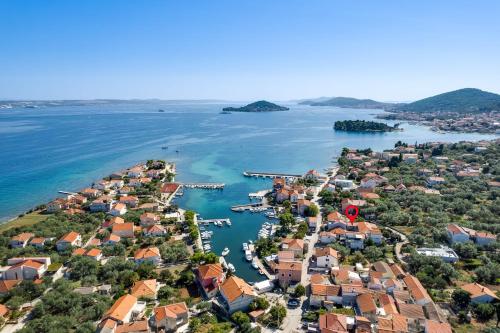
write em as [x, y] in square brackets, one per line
[462, 101]
[260, 106]
[349, 102]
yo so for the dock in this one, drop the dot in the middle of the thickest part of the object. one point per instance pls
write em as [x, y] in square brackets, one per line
[67, 193]
[258, 195]
[250, 206]
[270, 175]
[205, 186]
[215, 221]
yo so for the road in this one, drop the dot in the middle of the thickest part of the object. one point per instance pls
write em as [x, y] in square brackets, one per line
[293, 321]
[399, 245]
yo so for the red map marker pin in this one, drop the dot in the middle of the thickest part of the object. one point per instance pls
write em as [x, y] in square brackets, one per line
[352, 212]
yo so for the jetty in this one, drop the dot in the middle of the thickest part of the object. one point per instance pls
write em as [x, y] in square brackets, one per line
[214, 221]
[249, 206]
[67, 193]
[206, 186]
[270, 175]
[258, 195]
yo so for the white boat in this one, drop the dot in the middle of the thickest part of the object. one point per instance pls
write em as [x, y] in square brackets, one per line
[248, 255]
[250, 242]
[228, 222]
[225, 252]
[245, 246]
[254, 264]
[231, 267]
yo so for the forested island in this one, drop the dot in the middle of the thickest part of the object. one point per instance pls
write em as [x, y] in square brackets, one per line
[259, 106]
[349, 102]
[363, 126]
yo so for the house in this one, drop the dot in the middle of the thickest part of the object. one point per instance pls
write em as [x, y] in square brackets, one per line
[348, 202]
[130, 201]
[116, 184]
[145, 289]
[345, 276]
[151, 254]
[91, 193]
[409, 158]
[432, 326]
[26, 268]
[312, 175]
[148, 219]
[371, 231]
[383, 270]
[286, 256]
[289, 273]
[21, 240]
[393, 323]
[56, 205]
[282, 195]
[156, 230]
[210, 277]
[415, 315]
[313, 222]
[333, 323]
[431, 181]
[416, 290]
[118, 209]
[323, 293]
[443, 252]
[372, 180]
[387, 302]
[95, 254]
[369, 195]
[344, 184]
[3, 311]
[101, 204]
[102, 185]
[326, 257]
[292, 244]
[138, 326]
[170, 317]
[112, 221]
[237, 294]
[457, 234]
[279, 183]
[8, 285]
[479, 293]
[38, 242]
[366, 307]
[484, 238]
[355, 240]
[125, 230]
[135, 172]
[169, 189]
[327, 237]
[122, 310]
[153, 173]
[111, 239]
[302, 205]
[70, 239]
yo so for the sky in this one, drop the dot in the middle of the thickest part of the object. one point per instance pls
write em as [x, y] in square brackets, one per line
[246, 50]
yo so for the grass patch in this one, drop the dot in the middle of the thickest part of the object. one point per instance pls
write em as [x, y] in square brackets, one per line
[406, 230]
[25, 220]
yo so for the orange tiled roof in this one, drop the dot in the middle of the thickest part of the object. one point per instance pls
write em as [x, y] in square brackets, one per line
[170, 311]
[290, 266]
[432, 326]
[93, 252]
[416, 289]
[122, 307]
[476, 290]
[7, 285]
[235, 287]
[366, 303]
[148, 252]
[210, 271]
[144, 288]
[326, 251]
[333, 323]
[23, 237]
[70, 237]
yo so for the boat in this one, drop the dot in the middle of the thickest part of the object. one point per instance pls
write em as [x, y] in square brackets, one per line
[245, 246]
[255, 264]
[261, 272]
[250, 242]
[231, 267]
[228, 222]
[248, 255]
[224, 112]
[164, 147]
[161, 110]
[225, 252]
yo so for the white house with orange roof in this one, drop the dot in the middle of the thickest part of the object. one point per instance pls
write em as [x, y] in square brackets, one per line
[95, 254]
[170, 317]
[72, 238]
[371, 231]
[148, 219]
[123, 310]
[118, 209]
[136, 172]
[156, 230]
[129, 200]
[457, 234]
[21, 240]
[210, 277]
[326, 257]
[125, 230]
[145, 289]
[417, 291]
[293, 244]
[149, 254]
[111, 239]
[26, 268]
[237, 294]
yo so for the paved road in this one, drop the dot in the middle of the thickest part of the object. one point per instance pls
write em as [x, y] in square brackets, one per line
[399, 245]
[293, 321]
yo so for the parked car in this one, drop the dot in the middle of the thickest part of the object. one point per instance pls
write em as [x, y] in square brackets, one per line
[293, 303]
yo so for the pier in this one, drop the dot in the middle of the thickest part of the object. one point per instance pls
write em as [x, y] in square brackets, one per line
[67, 193]
[270, 175]
[214, 221]
[250, 206]
[206, 186]
[258, 195]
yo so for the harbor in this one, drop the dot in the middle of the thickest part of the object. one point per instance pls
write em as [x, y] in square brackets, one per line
[205, 186]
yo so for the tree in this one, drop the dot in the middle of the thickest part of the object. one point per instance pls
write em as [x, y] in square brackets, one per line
[299, 291]
[373, 253]
[166, 292]
[460, 299]
[240, 318]
[286, 221]
[312, 210]
[278, 314]
[484, 311]
[82, 266]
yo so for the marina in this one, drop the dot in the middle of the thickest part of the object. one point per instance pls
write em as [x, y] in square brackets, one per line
[204, 186]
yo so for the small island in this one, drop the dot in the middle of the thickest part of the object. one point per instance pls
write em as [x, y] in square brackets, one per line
[260, 106]
[364, 126]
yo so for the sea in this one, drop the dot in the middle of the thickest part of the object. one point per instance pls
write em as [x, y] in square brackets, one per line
[47, 149]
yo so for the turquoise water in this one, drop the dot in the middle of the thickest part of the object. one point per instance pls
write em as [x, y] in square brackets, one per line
[66, 148]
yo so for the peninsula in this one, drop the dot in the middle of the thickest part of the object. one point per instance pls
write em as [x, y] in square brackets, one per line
[349, 102]
[259, 106]
[363, 126]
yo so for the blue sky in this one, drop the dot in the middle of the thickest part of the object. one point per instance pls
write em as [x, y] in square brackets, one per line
[245, 50]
